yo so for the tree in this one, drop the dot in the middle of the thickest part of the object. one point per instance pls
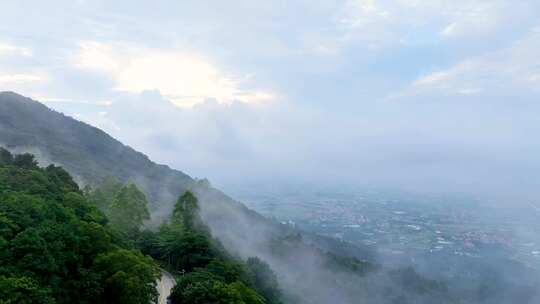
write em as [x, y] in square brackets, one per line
[202, 288]
[61, 178]
[78, 203]
[149, 243]
[54, 247]
[5, 157]
[103, 194]
[26, 160]
[210, 275]
[129, 277]
[230, 271]
[186, 211]
[23, 290]
[265, 280]
[128, 210]
[188, 250]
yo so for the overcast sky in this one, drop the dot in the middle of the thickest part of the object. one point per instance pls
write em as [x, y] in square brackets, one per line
[425, 93]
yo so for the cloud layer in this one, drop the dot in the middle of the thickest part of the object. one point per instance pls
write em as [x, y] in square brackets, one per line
[423, 94]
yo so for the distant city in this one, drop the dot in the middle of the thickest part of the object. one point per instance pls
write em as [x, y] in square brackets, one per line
[404, 227]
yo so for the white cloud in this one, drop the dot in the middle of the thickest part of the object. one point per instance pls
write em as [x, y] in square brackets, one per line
[476, 17]
[96, 56]
[534, 78]
[433, 79]
[469, 91]
[47, 99]
[16, 79]
[9, 49]
[513, 69]
[362, 13]
[384, 22]
[184, 78]
[54, 99]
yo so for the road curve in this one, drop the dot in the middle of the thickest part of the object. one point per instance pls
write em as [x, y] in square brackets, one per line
[165, 286]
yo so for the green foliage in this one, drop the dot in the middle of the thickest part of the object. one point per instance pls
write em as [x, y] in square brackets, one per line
[129, 277]
[23, 290]
[188, 250]
[150, 243]
[5, 157]
[103, 193]
[230, 270]
[202, 288]
[186, 213]
[54, 245]
[26, 161]
[265, 280]
[208, 273]
[62, 178]
[126, 207]
[128, 210]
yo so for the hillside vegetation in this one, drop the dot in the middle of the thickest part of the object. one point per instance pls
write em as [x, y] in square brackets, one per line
[56, 247]
[206, 239]
[62, 245]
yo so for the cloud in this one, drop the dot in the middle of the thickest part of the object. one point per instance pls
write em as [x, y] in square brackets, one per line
[433, 79]
[96, 56]
[9, 49]
[477, 18]
[464, 74]
[387, 23]
[184, 78]
[419, 146]
[512, 69]
[17, 79]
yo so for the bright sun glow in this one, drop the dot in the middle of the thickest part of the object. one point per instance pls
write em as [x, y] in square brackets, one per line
[185, 79]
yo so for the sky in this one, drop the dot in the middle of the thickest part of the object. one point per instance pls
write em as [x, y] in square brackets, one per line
[428, 95]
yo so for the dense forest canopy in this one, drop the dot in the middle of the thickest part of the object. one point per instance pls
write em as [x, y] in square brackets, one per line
[184, 245]
[56, 247]
[62, 245]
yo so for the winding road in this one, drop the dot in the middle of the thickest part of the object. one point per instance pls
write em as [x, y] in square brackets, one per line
[165, 286]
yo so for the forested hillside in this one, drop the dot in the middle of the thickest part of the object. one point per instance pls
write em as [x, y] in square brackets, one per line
[56, 247]
[231, 246]
[59, 244]
[184, 245]
[90, 156]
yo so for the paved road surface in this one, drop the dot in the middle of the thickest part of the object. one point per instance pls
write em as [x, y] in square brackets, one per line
[164, 286]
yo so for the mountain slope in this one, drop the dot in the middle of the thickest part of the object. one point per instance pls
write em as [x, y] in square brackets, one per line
[85, 151]
[90, 154]
[306, 269]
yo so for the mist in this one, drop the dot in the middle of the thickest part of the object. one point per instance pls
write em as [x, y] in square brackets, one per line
[476, 149]
[429, 151]
[368, 123]
[300, 258]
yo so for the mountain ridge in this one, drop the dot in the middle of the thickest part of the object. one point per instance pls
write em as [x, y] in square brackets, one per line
[26, 124]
